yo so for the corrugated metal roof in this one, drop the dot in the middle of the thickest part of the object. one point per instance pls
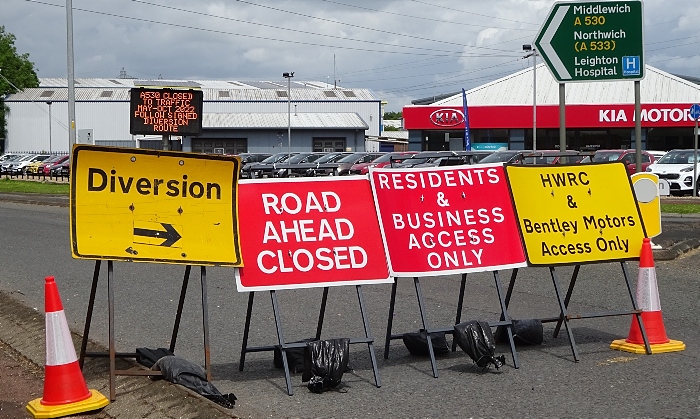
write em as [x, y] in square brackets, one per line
[214, 90]
[516, 89]
[279, 120]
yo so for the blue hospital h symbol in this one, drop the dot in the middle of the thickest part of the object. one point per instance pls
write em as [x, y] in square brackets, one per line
[630, 65]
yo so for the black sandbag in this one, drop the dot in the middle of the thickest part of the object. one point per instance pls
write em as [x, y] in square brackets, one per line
[147, 357]
[417, 343]
[325, 361]
[180, 371]
[295, 356]
[525, 331]
[476, 339]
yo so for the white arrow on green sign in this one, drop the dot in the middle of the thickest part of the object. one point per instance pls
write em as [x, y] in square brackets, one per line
[593, 41]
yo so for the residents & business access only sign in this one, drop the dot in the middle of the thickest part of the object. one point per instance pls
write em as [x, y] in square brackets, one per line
[303, 233]
[154, 206]
[576, 214]
[439, 221]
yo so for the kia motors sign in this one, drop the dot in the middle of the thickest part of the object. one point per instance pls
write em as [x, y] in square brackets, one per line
[439, 221]
[446, 117]
[307, 233]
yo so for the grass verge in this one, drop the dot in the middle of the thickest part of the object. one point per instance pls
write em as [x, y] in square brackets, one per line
[24, 186]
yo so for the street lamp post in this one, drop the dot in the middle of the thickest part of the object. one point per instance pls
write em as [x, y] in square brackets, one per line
[289, 76]
[48, 102]
[533, 54]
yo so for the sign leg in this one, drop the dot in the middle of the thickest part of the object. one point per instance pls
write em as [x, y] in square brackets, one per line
[322, 313]
[368, 335]
[390, 321]
[180, 305]
[246, 330]
[506, 317]
[567, 298]
[88, 316]
[205, 323]
[564, 314]
[424, 320]
[112, 350]
[460, 304]
[280, 339]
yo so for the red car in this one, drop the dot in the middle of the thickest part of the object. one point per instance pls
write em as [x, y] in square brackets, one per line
[45, 167]
[384, 160]
[627, 156]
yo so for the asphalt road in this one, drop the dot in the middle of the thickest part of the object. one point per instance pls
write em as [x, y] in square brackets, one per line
[604, 383]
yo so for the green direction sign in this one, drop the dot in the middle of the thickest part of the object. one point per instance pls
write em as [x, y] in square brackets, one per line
[593, 41]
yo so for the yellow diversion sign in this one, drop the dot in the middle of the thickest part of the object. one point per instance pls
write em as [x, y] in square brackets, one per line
[154, 206]
[576, 214]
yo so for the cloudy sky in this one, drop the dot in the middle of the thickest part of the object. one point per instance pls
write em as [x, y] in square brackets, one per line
[400, 49]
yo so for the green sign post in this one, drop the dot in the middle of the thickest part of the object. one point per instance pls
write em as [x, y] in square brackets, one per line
[593, 41]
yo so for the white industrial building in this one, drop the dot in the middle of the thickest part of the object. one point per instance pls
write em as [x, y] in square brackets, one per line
[237, 116]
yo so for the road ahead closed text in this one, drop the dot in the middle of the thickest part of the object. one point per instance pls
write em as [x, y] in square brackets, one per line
[309, 233]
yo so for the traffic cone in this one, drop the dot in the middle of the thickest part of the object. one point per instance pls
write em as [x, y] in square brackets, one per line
[65, 392]
[648, 301]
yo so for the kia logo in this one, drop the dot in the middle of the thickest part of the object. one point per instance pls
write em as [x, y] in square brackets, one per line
[447, 117]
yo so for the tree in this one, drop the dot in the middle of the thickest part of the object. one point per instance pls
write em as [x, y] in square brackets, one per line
[17, 69]
[393, 115]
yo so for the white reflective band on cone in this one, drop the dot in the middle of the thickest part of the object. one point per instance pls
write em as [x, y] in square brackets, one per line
[647, 291]
[59, 344]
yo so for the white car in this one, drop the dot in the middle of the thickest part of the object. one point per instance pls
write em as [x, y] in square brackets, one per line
[18, 167]
[677, 167]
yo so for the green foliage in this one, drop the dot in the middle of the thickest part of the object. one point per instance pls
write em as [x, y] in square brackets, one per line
[17, 69]
[393, 115]
[390, 128]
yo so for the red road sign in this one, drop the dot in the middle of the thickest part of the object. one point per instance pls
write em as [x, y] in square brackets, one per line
[438, 221]
[309, 233]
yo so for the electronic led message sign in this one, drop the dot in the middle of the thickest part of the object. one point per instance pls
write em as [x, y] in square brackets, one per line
[446, 220]
[166, 112]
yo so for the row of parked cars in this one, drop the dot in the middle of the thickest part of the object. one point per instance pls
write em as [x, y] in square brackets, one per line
[676, 166]
[43, 164]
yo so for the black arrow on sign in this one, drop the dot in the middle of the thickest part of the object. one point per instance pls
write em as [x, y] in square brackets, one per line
[170, 234]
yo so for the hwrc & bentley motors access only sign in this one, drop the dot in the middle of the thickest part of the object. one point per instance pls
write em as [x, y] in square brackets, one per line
[593, 41]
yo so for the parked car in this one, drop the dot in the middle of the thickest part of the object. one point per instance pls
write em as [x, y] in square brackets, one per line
[46, 165]
[677, 167]
[252, 157]
[342, 167]
[285, 168]
[255, 169]
[61, 169]
[507, 156]
[555, 157]
[9, 161]
[305, 169]
[627, 156]
[461, 158]
[389, 159]
[18, 167]
[424, 157]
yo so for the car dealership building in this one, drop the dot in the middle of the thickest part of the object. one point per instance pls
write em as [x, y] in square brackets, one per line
[599, 115]
[236, 116]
